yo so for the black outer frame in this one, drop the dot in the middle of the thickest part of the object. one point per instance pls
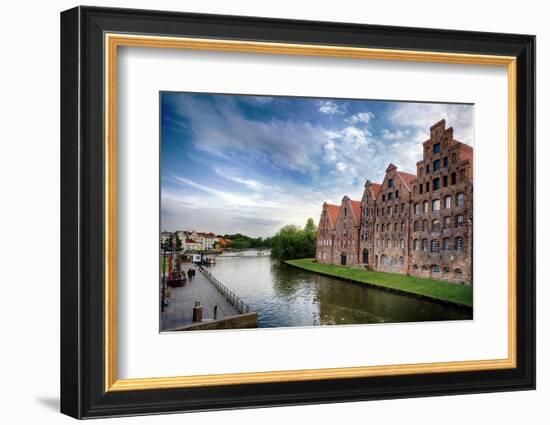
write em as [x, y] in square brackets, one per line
[82, 212]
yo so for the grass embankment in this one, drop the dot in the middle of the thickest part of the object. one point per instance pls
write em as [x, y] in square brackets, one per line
[428, 288]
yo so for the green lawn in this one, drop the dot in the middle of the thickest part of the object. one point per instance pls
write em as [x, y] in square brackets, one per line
[450, 292]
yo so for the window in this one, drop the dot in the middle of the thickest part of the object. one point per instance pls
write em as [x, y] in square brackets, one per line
[435, 225]
[390, 196]
[377, 227]
[446, 244]
[345, 212]
[459, 244]
[425, 245]
[460, 220]
[445, 162]
[427, 186]
[424, 225]
[416, 226]
[453, 178]
[402, 226]
[458, 274]
[389, 210]
[383, 198]
[396, 194]
[436, 205]
[428, 169]
[437, 148]
[402, 243]
[459, 199]
[387, 243]
[453, 158]
[393, 261]
[421, 187]
[436, 184]
[415, 267]
[401, 261]
[395, 227]
[436, 269]
[447, 202]
[384, 259]
[403, 207]
[397, 208]
[383, 227]
[447, 223]
[390, 183]
[462, 175]
[425, 206]
[445, 181]
[437, 165]
[417, 208]
[416, 244]
[435, 245]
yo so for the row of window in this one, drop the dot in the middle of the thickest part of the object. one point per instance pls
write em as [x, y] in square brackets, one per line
[436, 206]
[382, 227]
[436, 224]
[436, 203]
[434, 245]
[434, 268]
[390, 195]
[386, 260]
[390, 243]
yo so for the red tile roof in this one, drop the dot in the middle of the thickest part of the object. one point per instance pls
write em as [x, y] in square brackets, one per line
[376, 189]
[333, 211]
[356, 208]
[407, 178]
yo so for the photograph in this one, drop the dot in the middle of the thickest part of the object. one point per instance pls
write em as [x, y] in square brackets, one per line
[283, 211]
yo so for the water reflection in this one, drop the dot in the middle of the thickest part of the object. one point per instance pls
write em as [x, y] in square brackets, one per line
[286, 296]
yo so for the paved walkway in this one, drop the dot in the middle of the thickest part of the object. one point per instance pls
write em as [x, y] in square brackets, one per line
[182, 300]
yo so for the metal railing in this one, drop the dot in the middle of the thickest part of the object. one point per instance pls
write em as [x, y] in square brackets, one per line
[229, 295]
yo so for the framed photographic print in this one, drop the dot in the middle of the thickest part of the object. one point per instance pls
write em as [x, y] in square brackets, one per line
[261, 212]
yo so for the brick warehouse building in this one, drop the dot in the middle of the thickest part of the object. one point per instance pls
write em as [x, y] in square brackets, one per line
[419, 225]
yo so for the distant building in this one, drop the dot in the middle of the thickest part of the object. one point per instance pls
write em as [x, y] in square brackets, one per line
[207, 240]
[419, 224]
[192, 245]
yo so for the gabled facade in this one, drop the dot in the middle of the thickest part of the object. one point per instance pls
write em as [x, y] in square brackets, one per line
[368, 223]
[420, 224]
[346, 233]
[442, 209]
[325, 233]
[392, 227]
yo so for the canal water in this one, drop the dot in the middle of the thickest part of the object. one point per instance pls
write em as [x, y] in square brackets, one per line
[286, 296]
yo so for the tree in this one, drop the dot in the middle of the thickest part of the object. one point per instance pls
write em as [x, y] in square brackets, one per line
[293, 242]
[178, 242]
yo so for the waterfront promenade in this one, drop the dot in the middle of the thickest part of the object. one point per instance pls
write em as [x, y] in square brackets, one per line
[179, 314]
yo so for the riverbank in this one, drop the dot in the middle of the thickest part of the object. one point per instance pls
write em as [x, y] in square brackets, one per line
[452, 293]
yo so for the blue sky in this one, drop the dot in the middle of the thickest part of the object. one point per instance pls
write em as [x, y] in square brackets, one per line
[252, 164]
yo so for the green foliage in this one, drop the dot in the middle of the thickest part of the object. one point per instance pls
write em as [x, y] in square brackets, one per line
[178, 242]
[294, 242]
[430, 288]
[240, 241]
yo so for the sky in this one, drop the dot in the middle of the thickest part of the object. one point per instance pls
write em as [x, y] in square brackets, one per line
[252, 164]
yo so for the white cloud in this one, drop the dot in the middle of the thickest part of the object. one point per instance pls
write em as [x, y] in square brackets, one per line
[394, 135]
[362, 117]
[221, 127]
[421, 116]
[329, 107]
